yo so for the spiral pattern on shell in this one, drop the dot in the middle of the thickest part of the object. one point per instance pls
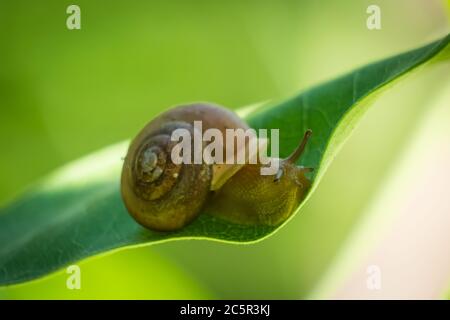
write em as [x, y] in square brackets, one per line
[158, 193]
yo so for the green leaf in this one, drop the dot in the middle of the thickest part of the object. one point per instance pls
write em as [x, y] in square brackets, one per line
[77, 212]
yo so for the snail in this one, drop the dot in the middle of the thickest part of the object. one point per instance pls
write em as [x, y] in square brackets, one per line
[162, 195]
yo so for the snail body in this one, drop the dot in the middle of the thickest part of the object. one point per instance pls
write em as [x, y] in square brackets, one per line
[164, 196]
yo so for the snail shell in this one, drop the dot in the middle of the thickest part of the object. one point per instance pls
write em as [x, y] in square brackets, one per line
[162, 195]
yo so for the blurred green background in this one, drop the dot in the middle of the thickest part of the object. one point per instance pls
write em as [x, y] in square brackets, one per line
[65, 93]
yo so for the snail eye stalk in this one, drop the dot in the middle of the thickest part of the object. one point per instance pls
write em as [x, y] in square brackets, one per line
[301, 147]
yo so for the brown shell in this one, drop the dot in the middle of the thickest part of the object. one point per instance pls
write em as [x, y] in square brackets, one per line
[174, 195]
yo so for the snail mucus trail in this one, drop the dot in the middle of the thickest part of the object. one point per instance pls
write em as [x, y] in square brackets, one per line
[164, 196]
